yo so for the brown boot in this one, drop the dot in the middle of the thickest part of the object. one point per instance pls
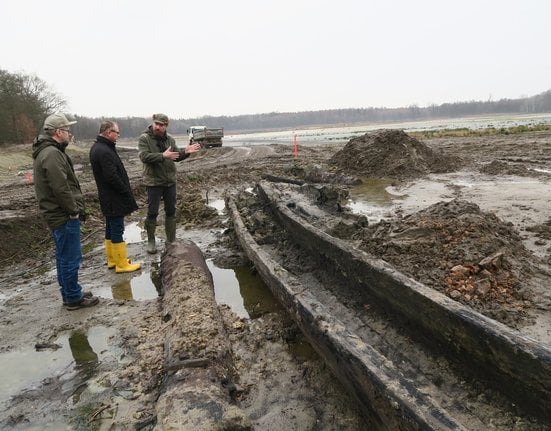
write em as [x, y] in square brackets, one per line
[83, 303]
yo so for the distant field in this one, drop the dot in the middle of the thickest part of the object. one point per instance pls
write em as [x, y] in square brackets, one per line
[432, 128]
[15, 159]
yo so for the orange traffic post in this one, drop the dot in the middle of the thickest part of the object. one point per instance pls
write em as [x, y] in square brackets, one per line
[295, 146]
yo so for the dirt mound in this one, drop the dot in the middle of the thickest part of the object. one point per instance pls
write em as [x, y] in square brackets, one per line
[497, 167]
[391, 153]
[23, 238]
[542, 230]
[192, 209]
[454, 247]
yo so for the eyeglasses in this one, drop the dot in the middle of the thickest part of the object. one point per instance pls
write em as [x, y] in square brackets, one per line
[65, 130]
[115, 131]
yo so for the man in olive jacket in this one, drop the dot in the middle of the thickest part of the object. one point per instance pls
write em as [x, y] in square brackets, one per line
[61, 203]
[115, 195]
[158, 152]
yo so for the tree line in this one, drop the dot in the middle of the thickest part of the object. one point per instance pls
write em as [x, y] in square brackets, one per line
[25, 101]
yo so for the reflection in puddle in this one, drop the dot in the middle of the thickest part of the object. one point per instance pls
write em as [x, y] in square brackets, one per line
[133, 233]
[145, 286]
[86, 363]
[121, 290]
[219, 205]
[302, 350]
[142, 286]
[242, 290]
[249, 297]
[64, 366]
[372, 198]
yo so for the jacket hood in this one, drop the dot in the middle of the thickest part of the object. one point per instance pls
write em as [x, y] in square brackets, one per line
[43, 141]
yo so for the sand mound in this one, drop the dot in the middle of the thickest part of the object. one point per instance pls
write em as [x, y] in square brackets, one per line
[391, 153]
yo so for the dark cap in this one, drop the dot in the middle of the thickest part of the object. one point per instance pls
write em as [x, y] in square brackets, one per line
[160, 118]
[57, 121]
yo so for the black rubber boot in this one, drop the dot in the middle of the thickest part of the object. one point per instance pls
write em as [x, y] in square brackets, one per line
[150, 227]
[170, 229]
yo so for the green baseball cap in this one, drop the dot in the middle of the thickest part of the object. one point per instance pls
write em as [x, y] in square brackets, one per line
[160, 118]
[57, 121]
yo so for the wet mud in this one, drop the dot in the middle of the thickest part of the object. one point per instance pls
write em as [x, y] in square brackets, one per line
[490, 238]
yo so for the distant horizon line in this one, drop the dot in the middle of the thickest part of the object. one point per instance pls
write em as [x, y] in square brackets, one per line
[413, 105]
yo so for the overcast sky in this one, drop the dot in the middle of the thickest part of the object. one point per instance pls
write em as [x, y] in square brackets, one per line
[232, 57]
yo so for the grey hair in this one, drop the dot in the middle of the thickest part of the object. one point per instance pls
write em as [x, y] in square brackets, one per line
[105, 126]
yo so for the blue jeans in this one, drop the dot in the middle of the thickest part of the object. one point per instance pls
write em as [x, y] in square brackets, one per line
[114, 228]
[154, 195]
[68, 255]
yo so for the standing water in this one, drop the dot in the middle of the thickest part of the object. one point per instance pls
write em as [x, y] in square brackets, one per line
[243, 290]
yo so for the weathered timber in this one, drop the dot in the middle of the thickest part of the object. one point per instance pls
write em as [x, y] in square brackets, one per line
[388, 399]
[197, 349]
[514, 364]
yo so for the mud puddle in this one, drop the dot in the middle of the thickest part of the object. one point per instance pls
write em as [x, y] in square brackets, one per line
[380, 199]
[513, 199]
[70, 368]
[218, 204]
[372, 198]
[66, 363]
[242, 290]
[133, 233]
[126, 288]
[236, 285]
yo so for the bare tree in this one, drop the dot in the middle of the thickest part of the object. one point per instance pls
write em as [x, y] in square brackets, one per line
[25, 100]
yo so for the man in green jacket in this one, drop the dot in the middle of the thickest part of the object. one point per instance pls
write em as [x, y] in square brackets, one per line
[62, 205]
[158, 152]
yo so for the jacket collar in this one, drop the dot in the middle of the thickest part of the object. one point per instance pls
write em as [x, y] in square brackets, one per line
[104, 140]
[43, 141]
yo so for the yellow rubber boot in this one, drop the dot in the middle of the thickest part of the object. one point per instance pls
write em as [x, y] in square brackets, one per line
[121, 258]
[109, 254]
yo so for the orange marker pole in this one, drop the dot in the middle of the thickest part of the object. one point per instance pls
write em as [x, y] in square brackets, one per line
[295, 147]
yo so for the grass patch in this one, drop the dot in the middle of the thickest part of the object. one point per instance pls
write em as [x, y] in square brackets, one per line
[488, 131]
[14, 161]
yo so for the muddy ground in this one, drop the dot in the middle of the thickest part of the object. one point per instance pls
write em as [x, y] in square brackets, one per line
[471, 218]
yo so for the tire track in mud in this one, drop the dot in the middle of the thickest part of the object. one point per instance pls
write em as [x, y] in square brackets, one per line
[226, 156]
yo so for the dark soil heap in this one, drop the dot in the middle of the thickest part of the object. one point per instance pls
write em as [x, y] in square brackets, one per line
[497, 167]
[393, 154]
[454, 247]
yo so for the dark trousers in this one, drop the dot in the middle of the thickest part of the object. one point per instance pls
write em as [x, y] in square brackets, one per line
[114, 228]
[154, 196]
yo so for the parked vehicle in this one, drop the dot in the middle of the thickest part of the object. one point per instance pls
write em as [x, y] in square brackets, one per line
[207, 137]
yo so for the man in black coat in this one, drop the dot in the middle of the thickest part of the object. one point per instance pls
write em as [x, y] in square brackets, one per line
[115, 195]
